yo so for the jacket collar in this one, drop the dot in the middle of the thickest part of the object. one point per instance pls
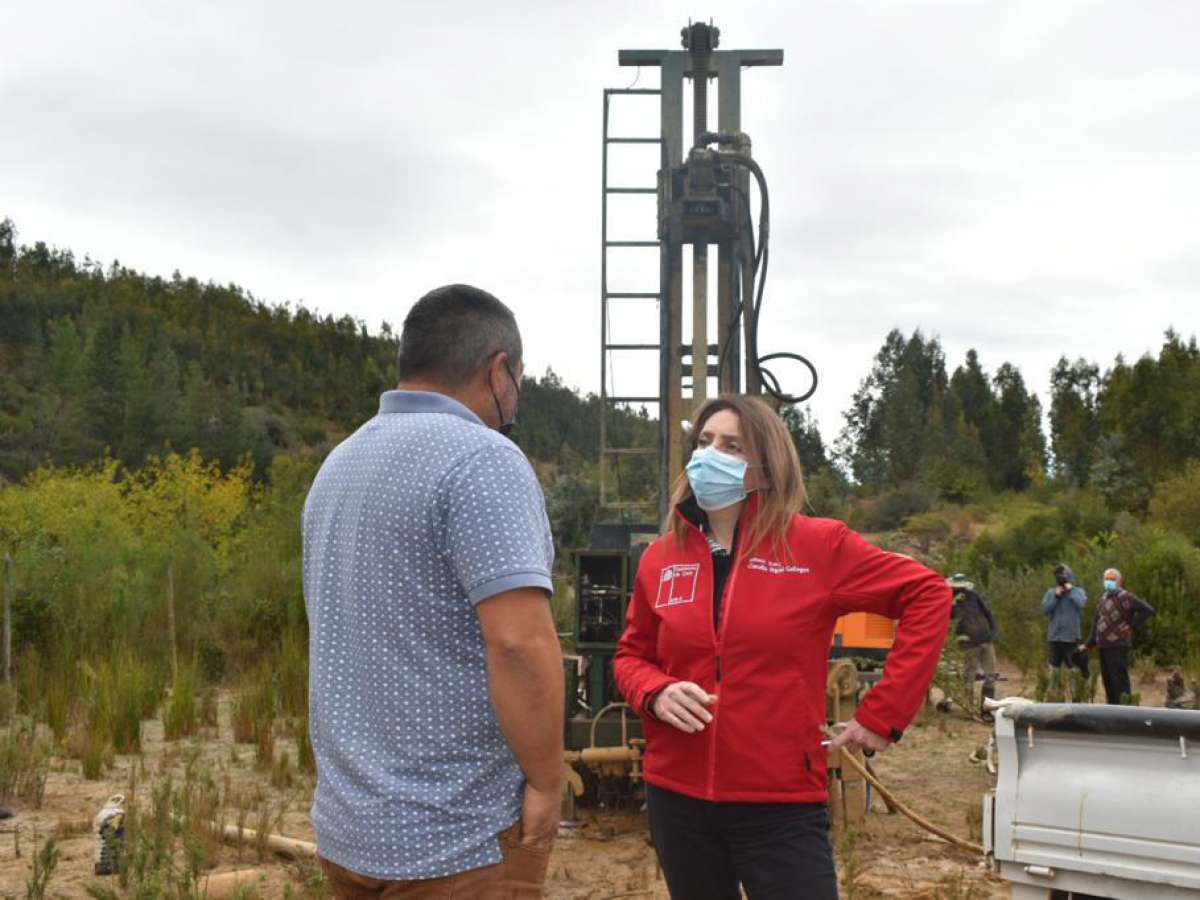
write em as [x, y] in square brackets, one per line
[691, 513]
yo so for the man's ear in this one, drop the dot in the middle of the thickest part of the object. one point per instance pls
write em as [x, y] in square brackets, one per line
[495, 372]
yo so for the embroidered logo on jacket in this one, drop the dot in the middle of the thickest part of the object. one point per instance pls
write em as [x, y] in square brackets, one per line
[677, 584]
[774, 567]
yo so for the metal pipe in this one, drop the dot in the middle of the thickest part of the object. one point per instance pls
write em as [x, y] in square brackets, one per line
[670, 407]
[604, 304]
[601, 755]
[699, 39]
[624, 727]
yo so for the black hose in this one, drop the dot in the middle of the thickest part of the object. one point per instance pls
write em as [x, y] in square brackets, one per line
[768, 380]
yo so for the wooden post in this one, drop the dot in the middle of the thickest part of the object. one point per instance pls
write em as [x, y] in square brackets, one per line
[8, 601]
[171, 621]
[847, 791]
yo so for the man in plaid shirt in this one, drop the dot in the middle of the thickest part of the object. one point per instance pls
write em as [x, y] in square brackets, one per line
[1118, 614]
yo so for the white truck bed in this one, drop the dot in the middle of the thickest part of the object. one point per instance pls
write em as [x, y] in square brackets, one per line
[1096, 800]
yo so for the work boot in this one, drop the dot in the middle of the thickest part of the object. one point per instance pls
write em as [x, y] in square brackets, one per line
[988, 693]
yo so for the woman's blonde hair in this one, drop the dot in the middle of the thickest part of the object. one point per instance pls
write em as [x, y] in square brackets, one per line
[766, 442]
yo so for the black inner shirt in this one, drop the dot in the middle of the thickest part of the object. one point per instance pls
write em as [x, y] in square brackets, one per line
[722, 563]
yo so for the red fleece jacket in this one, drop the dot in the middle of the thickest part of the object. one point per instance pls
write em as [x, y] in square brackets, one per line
[766, 661]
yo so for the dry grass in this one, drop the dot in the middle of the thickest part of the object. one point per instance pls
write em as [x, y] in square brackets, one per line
[24, 762]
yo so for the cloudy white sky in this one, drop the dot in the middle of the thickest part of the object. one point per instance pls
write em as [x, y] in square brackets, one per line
[1020, 177]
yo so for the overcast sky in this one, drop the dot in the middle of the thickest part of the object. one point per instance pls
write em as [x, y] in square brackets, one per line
[1019, 177]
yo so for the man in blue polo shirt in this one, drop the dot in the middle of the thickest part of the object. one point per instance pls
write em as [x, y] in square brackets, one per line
[436, 690]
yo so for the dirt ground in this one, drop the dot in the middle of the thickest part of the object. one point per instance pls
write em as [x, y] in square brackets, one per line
[603, 856]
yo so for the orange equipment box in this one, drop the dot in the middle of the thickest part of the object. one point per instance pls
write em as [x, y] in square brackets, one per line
[864, 635]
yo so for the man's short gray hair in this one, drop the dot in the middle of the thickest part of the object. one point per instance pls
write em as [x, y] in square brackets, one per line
[452, 332]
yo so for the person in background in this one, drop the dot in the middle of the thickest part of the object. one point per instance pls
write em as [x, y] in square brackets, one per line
[1063, 604]
[435, 686]
[1118, 614]
[725, 656]
[975, 633]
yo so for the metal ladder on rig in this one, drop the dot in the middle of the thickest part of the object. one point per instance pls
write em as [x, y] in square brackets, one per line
[613, 455]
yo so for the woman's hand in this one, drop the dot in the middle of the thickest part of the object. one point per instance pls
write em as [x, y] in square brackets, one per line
[682, 704]
[856, 737]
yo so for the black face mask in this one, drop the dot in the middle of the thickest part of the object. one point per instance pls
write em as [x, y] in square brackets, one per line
[507, 427]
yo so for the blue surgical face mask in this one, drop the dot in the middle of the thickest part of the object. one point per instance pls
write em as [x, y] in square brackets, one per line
[1109, 584]
[718, 480]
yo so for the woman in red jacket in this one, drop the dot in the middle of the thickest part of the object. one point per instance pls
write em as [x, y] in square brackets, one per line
[725, 654]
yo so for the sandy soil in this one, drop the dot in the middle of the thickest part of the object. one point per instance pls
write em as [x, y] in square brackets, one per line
[605, 856]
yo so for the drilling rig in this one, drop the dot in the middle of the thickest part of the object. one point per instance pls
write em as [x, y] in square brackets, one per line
[703, 198]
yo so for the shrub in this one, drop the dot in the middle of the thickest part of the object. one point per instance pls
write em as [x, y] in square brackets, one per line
[1016, 602]
[1085, 513]
[1037, 539]
[1176, 502]
[890, 508]
[828, 496]
[929, 528]
[8, 704]
[1166, 573]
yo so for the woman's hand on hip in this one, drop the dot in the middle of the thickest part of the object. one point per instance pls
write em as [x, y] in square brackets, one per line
[683, 705]
[854, 736]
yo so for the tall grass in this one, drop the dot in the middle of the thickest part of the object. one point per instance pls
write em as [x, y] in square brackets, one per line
[45, 861]
[254, 709]
[24, 762]
[118, 694]
[181, 712]
[305, 760]
[61, 687]
[293, 694]
[292, 666]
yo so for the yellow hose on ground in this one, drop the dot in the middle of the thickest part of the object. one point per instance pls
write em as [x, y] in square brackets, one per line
[915, 817]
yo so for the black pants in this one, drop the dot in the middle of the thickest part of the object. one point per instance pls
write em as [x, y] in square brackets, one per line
[1067, 653]
[1114, 670]
[776, 851]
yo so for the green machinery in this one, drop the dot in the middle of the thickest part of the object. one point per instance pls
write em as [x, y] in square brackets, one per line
[603, 583]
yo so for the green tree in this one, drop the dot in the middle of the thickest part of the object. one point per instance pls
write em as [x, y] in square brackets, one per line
[806, 435]
[104, 400]
[1073, 424]
[1021, 460]
[886, 437]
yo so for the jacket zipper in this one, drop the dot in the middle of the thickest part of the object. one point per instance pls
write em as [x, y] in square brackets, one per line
[726, 605]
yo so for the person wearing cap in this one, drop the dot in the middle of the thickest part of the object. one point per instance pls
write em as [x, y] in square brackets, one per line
[975, 631]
